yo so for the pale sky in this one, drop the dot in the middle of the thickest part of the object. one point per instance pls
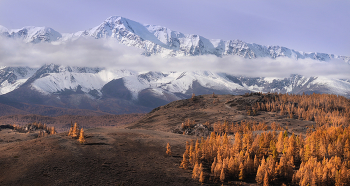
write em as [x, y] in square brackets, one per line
[309, 26]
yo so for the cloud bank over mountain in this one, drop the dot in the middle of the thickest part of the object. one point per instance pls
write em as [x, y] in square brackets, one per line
[88, 52]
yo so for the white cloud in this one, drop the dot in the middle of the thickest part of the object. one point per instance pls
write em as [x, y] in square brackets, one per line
[109, 53]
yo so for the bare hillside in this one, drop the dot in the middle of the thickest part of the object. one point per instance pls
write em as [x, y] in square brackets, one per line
[209, 108]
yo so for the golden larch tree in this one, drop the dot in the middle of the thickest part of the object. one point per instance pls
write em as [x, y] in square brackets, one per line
[52, 130]
[184, 162]
[81, 136]
[279, 144]
[261, 172]
[266, 179]
[213, 165]
[202, 177]
[168, 149]
[195, 172]
[222, 175]
[241, 172]
[74, 131]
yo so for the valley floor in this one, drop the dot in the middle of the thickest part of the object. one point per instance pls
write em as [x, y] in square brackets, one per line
[111, 156]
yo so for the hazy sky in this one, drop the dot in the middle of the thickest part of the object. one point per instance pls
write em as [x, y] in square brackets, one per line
[310, 26]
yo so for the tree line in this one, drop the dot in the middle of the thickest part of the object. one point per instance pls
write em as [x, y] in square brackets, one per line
[241, 151]
[324, 109]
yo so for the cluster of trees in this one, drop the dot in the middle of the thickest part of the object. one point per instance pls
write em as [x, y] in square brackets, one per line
[242, 126]
[324, 109]
[188, 124]
[244, 159]
[44, 130]
[76, 132]
[221, 127]
[235, 151]
[326, 157]
[323, 157]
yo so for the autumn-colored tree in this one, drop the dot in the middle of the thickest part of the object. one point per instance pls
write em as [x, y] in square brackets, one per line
[261, 172]
[347, 150]
[202, 177]
[324, 153]
[271, 167]
[231, 167]
[237, 146]
[280, 141]
[256, 163]
[217, 170]
[213, 165]
[74, 131]
[266, 179]
[81, 136]
[284, 169]
[307, 153]
[70, 131]
[184, 162]
[52, 130]
[323, 150]
[241, 172]
[273, 150]
[222, 175]
[196, 171]
[292, 146]
[168, 149]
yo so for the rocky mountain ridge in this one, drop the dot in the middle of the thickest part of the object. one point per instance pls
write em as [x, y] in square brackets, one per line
[159, 40]
[126, 91]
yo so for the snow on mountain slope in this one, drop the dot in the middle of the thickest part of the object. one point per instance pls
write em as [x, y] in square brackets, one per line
[56, 79]
[77, 79]
[31, 34]
[335, 86]
[150, 89]
[163, 34]
[4, 31]
[346, 59]
[158, 40]
[13, 77]
[183, 82]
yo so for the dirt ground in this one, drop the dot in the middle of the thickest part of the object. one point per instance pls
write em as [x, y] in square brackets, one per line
[10, 136]
[63, 123]
[111, 156]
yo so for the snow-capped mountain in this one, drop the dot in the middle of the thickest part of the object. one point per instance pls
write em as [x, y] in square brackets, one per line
[13, 77]
[55, 78]
[32, 34]
[60, 85]
[163, 41]
[124, 91]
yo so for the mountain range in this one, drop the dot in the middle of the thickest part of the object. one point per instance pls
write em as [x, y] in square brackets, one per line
[104, 90]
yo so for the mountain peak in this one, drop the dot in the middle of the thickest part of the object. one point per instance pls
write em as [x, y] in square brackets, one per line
[32, 34]
[114, 18]
[159, 40]
[3, 29]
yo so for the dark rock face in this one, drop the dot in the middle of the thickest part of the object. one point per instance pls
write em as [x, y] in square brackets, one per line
[116, 89]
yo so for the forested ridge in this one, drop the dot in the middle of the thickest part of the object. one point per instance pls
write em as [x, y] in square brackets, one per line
[268, 154]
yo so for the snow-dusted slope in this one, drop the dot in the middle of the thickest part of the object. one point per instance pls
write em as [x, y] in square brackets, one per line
[31, 34]
[163, 41]
[56, 79]
[13, 77]
[200, 81]
[149, 89]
